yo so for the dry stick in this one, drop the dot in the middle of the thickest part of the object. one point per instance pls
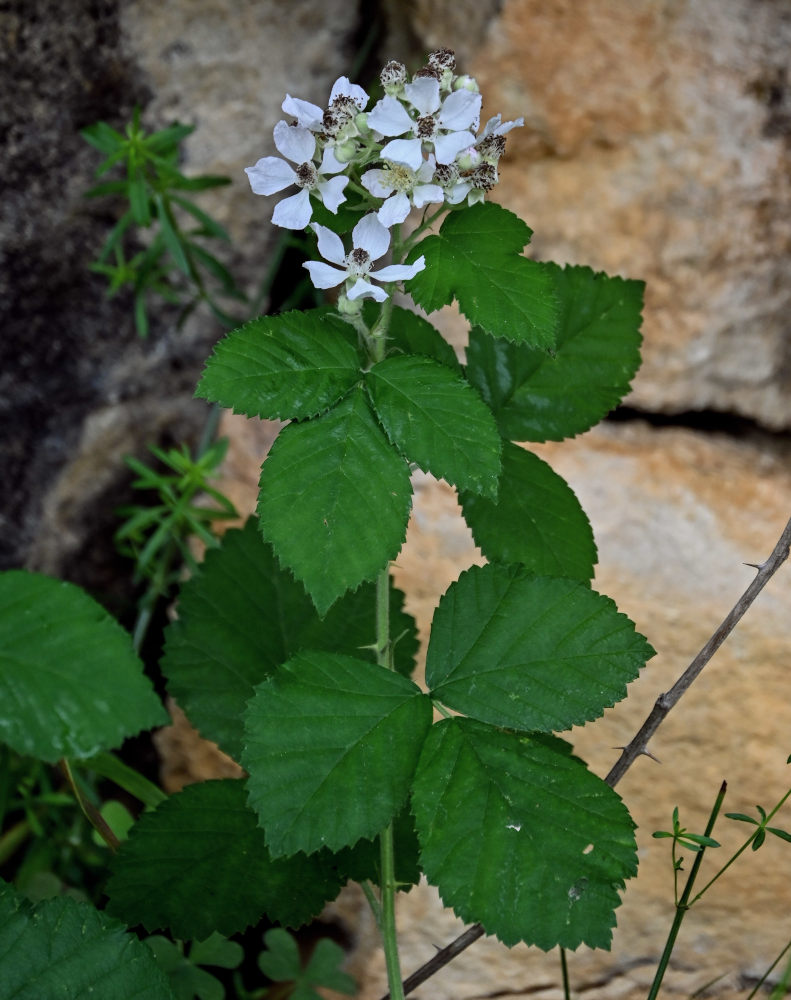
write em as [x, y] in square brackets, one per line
[637, 746]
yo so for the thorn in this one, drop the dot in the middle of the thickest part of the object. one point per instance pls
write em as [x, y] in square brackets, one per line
[758, 566]
[645, 753]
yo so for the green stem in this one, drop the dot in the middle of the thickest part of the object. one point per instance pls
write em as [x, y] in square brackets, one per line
[384, 657]
[90, 811]
[683, 904]
[766, 975]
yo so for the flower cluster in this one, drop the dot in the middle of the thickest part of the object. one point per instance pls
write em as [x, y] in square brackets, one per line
[418, 145]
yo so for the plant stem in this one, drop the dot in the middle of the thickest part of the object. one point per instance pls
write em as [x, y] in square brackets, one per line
[765, 976]
[384, 657]
[683, 904]
[90, 811]
[564, 971]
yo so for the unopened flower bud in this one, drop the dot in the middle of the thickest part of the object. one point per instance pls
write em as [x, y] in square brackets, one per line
[469, 158]
[393, 77]
[466, 83]
[361, 121]
[349, 307]
[345, 151]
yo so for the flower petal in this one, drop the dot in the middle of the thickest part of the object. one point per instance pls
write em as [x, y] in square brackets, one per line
[362, 289]
[308, 115]
[406, 151]
[423, 94]
[330, 244]
[293, 212]
[322, 275]
[447, 147]
[342, 86]
[400, 272]
[370, 235]
[295, 143]
[330, 164]
[376, 181]
[395, 209]
[269, 175]
[460, 110]
[389, 116]
[496, 126]
[331, 192]
[426, 194]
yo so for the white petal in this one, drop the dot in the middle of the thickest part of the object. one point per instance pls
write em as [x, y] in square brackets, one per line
[406, 151]
[400, 272]
[496, 126]
[457, 193]
[308, 115]
[426, 194]
[376, 181]
[389, 116]
[423, 94]
[330, 244]
[295, 143]
[395, 209]
[330, 164]
[322, 275]
[362, 289]
[447, 147]
[426, 172]
[370, 235]
[293, 212]
[459, 110]
[331, 192]
[343, 86]
[269, 175]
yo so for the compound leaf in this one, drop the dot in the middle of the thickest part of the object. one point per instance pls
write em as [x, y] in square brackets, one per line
[518, 835]
[199, 863]
[70, 682]
[335, 498]
[530, 652]
[242, 615]
[536, 519]
[293, 365]
[69, 949]
[437, 420]
[477, 259]
[331, 747]
[537, 396]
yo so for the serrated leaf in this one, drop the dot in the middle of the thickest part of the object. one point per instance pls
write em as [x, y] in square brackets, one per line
[530, 652]
[537, 396]
[536, 520]
[335, 499]
[476, 258]
[437, 420]
[331, 744]
[294, 365]
[199, 863]
[518, 835]
[241, 615]
[68, 949]
[70, 681]
[409, 333]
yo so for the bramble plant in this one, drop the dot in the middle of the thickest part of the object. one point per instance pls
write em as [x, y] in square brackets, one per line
[292, 650]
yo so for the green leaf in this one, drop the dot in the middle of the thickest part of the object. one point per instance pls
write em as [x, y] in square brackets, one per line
[103, 137]
[477, 259]
[199, 863]
[294, 365]
[437, 420]
[536, 520]
[363, 862]
[242, 615]
[282, 963]
[217, 950]
[742, 818]
[66, 949]
[331, 746]
[782, 834]
[530, 652]
[518, 835]
[758, 840]
[547, 397]
[411, 334]
[70, 682]
[335, 499]
[185, 980]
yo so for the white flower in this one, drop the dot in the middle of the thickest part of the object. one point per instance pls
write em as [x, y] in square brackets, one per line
[444, 124]
[370, 241]
[402, 187]
[271, 174]
[311, 116]
[496, 126]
